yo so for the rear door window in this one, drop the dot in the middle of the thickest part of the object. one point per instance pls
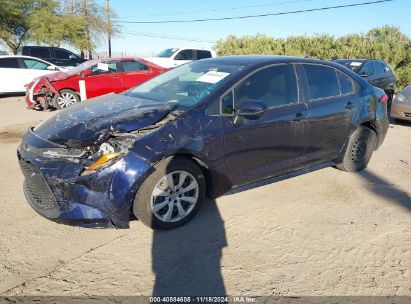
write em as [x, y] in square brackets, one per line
[322, 81]
[62, 54]
[185, 55]
[40, 52]
[9, 63]
[202, 54]
[346, 83]
[134, 66]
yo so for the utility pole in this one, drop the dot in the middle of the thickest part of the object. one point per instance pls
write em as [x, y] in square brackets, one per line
[108, 27]
[86, 17]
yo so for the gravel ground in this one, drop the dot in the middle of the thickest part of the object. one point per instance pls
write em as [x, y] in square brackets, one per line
[323, 233]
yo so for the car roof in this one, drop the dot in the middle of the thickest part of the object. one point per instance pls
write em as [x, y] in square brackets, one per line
[260, 59]
[24, 56]
[359, 60]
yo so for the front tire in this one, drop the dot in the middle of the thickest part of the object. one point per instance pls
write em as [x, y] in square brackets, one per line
[171, 195]
[359, 150]
[66, 99]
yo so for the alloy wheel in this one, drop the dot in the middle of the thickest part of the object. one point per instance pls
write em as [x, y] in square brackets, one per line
[66, 99]
[174, 196]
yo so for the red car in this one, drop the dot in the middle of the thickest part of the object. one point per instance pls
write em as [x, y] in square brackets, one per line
[90, 79]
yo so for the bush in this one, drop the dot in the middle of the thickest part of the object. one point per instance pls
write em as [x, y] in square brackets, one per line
[385, 43]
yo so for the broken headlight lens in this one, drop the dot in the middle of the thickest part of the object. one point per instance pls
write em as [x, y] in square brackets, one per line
[106, 154]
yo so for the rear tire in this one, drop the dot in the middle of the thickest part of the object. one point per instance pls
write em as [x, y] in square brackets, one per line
[162, 201]
[360, 147]
[66, 99]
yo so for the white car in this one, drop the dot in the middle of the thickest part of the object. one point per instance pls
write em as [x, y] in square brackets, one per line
[16, 71]
[171, 58]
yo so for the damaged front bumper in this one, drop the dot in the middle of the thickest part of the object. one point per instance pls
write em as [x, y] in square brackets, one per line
[39, 93]
[56, 189]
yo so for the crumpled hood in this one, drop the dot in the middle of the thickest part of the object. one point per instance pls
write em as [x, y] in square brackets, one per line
[92, 121]
[57, 76]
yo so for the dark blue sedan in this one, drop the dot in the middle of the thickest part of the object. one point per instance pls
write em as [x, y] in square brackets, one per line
[159, 149]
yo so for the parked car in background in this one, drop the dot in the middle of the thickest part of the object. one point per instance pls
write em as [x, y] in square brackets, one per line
[200, 129]
[16, 71]
[57, 56]
[377, 72]
[401, 105]
[90, 79]
[171, 58]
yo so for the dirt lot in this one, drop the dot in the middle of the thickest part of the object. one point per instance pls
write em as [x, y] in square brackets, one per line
[323, 233]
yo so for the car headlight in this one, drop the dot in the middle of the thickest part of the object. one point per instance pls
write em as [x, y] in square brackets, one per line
[401, 98]
[93, 158]
[106, 154]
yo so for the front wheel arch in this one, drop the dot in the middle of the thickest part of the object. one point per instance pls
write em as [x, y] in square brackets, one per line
[141, 203]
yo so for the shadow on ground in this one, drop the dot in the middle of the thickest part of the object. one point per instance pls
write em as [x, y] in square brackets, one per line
[385, 189]
[186, 260]
[11, 95]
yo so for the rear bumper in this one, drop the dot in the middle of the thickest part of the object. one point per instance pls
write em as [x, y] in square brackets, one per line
[381, 123]
[400, 111]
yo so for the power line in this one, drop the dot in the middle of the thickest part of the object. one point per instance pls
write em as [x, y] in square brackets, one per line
[261, 15]
[218, 10]
[167, 37]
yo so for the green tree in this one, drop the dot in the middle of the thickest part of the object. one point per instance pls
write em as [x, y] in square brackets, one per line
[386, 43]
[15, 21]
[79, 23]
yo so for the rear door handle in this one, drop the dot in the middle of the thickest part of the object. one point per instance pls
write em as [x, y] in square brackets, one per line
[298, 116]
[116, 77]
[348, 106]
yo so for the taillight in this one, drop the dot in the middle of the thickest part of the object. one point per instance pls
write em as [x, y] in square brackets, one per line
[384, 99]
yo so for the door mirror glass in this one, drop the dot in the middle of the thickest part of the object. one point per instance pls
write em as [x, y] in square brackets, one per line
[85, 73]
[251, 109]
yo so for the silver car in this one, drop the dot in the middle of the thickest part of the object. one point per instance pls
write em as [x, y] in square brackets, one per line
[401, 105]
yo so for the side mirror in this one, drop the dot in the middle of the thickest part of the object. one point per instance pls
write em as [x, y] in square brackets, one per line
[85, 73]
[72, 57]
[251, 109]
[51, 68]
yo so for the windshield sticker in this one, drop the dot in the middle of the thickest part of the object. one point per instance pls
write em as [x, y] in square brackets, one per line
[212, 77]
[355, 63]
[102, 66]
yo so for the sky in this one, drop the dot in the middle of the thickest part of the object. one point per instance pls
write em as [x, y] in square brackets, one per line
[336, 22]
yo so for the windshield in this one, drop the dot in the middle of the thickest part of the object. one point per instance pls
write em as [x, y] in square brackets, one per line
[187, 85]
[167, 53]
[81, 67]
[351, 64]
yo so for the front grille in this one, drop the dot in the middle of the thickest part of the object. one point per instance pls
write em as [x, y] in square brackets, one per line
[36, 189]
